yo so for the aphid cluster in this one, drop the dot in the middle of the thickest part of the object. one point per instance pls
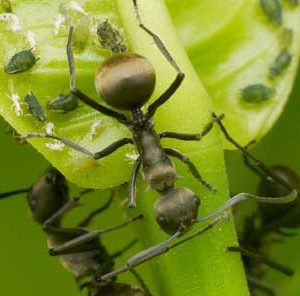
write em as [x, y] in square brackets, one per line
[260, 92]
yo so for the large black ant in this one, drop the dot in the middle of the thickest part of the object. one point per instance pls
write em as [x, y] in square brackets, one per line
[255, 238]
[48, 200]
[177, 210]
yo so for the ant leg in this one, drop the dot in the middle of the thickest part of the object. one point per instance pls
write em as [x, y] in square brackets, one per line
[259, 164]
[158, 250]
[260, 285]
[68, 247]
[125, 249]
[141, 282]
[269, 262]
[15, 192]
[133, 181]
[191, 166]
[80, 95]
[191, 137]
[65, 208]
[96, 155]
[86, 221]
[180, 75]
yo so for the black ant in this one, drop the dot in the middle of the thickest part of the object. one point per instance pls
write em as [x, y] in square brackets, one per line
[275, 181]
[48, 200]
[177, 210]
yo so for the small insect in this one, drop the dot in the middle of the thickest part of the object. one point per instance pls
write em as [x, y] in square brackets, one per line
[257, 93]
[281, 63]
[177, 209]
[48, 200]
[35, 107]
[81, 34]
[22, 61]
[110, 37]
[63, 103]
[6, 6]
[273, 11]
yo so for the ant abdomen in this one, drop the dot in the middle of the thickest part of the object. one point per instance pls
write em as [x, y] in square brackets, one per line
[177, 210]
[125, 81]
[272, 188]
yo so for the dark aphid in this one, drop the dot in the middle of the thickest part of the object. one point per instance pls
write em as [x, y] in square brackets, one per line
[272, 10]
[6, 6]
[63, 103]
[21, 62]
[111, 38]
[281, 63]
[126, 81]
[35, 107]
[80, 251]
[257, 93]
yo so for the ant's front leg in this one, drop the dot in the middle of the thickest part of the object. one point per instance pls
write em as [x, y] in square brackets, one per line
[83, 97]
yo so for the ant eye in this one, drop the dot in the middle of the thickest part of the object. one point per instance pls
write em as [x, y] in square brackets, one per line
[197, 201]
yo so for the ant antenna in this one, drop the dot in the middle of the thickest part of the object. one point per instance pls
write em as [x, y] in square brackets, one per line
[15, 192]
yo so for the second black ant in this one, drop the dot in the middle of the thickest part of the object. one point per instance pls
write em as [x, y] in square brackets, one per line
[88, 259]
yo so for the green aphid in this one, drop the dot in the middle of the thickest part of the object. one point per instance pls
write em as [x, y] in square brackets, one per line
[110, 38]
[6, 6]
[35, 107]
[63, 103]
[281, 62]
[20, 62]
[81, 34]
[257, 93]
[272, 10]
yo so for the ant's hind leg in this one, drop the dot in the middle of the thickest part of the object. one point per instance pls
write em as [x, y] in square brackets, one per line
[180, 75]
[191, 166]
[259, 257]
[87, 221]
[141, 282]
[69, 246]
[79, 94]
[159, 249]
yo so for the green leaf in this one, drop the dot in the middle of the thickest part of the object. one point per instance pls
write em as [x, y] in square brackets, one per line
[202, 265]
[232, 45]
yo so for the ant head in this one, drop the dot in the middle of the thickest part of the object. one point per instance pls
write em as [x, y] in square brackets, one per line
[125, 81]
[268, 187]
[47, 195]
[177, 210]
